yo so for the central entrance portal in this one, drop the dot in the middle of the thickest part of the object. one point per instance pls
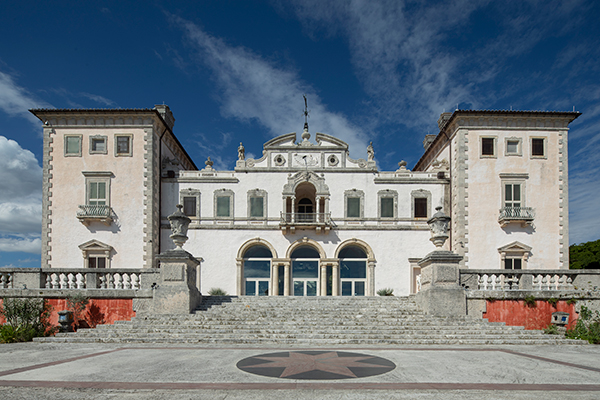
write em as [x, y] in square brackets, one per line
[305, 271]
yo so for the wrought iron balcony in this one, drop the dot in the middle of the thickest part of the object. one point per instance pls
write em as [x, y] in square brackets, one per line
[97, 213]
[318, 221]
[524, 215]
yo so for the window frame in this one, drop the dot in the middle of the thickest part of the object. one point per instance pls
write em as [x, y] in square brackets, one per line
[97, 177]
[516, 179]
[121, 135]
[360, 195]
[257, 193]
[190, 193]
[78, 154]
[97, 137]
[545, 147]
[223, 193]
[420, 194]
[387, 194]
[494, 147]
[519, 151]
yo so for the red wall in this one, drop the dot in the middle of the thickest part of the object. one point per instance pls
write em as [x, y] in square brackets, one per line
[517, 313]
[2, 320]
[98, 311]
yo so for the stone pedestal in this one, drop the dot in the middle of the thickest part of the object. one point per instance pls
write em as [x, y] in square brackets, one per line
[440, 292]
[177, 292]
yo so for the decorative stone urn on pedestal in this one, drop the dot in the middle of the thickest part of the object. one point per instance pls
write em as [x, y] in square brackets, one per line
[177, 292]
[441, 293]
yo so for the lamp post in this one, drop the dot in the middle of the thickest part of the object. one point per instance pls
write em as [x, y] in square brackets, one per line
[439, 225]
[179, 226]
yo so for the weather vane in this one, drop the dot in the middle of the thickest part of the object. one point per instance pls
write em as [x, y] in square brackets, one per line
[305, 113]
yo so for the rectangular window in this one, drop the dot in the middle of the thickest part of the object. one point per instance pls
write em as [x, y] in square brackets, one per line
[512, 263]
[123, 145]
[488, 146]
[73, 146]
[256, 207]
[513, 147]
[512, 195]
[98, 145]
[353, 207]
[189, 206]
[97, 262]
[537, 147]
[97, 193]
[223, 206]
[387, 207]
[420, 207]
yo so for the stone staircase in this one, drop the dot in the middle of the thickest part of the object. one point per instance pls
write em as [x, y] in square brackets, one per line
[310, 321]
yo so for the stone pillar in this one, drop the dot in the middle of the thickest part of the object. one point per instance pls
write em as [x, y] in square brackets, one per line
[274, 279]
[323, 279]
[318, 209]
[177, 292]
[286, 278]
[293, 209]
[370, 289]
[441, 293]
[335, 278]
[239, 263]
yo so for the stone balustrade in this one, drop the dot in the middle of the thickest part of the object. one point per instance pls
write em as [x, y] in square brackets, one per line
[531, 280]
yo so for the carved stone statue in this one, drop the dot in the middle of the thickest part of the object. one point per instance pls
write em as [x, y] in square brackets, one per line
[241, 152]
[370, 152]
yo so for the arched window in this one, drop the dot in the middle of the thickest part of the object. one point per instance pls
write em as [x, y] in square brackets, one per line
[353, 271]
[257, 270]
[305, 271]
[305, 210]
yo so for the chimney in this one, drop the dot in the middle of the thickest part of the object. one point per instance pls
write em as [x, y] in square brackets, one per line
[166, 114]
[428, 140]
[444, 117]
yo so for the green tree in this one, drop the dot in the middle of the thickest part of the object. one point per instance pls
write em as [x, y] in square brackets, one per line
[585, 255]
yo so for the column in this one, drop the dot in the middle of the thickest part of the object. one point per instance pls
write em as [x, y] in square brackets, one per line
[286, 278]
[335, 277]
[318, 209]
[284, 208]
[239, 276]
[274, 279]
[323, 279]
[370, 278]
[293, 209]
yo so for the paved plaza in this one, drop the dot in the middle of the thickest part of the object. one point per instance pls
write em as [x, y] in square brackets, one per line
[75, 371]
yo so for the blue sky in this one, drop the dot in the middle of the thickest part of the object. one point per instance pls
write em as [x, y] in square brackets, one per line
[234, 71]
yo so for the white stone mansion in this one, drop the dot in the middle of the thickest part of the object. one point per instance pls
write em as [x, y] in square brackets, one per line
[305, 219]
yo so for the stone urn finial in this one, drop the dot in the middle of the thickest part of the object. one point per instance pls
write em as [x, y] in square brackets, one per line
[439, 225]
[179, 226]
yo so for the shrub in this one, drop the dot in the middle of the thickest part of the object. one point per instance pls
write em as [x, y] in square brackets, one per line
[551, 330]
[571, 301]
[587, 326]
[25, 319]
[553, 301]
[77, 303]
[385, 292]
[217, 292]
[530, 301]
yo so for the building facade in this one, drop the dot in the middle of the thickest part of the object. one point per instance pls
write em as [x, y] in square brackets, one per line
[305, 219]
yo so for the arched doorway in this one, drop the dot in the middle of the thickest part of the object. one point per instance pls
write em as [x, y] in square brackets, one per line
[353, 271]
[257, 270]
[305, 271]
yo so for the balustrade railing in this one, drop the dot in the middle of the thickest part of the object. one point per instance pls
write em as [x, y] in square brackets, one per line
[522, 214]
[305, 218]
[539, 280]
[6, 280]
[101, 213]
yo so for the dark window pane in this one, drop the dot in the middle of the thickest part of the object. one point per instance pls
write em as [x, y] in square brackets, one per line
[420, 207]
[122, 144]
[487, 146]
[353, 207]
[256, 206]
[189, 206]
[359, 288]
[508, 263]
[353, 269]
[250, 288]
[311, 288]
[223, 206]
[352, 252]
[298, 288]
[305, 252]
[305, 269]
[516, 263]
[98, 145]
[346, 288]
[73, 144]
[92, 262]
[258, 252]
[537, 147]
[257, 269]
[101, 262]
[387, 207]
[263, 288]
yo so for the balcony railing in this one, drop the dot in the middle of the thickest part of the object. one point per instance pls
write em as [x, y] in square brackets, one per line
[305, 221]
[98, 213]
[524, 215]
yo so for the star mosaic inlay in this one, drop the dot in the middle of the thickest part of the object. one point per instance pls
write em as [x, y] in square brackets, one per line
[316, 365]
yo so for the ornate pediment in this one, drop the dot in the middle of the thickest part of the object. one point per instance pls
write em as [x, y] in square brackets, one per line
[516, 247]
[95, 245]
[305, 176]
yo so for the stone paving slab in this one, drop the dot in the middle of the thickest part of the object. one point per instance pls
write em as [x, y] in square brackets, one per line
[103, 371]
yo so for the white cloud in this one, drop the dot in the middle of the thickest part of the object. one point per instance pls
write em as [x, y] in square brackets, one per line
[20, 190]
[26, 245]
[254, 89]
[16, 101]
